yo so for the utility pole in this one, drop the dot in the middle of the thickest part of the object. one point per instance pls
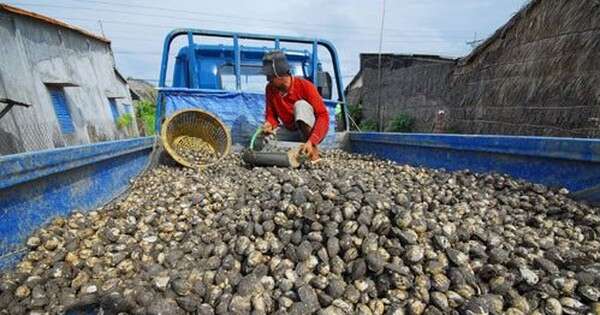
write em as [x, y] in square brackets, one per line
[475, 41]
[101, 28]
[379, 111]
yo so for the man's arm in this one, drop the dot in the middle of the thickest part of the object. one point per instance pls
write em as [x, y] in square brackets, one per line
[270, 114]
[319, 130]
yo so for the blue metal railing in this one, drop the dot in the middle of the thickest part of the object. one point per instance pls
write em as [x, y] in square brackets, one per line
[237, 58]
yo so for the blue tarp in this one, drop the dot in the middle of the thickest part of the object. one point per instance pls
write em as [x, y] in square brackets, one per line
[243, 112]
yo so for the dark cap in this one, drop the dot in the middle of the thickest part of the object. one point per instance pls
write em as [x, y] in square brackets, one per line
[275, 63]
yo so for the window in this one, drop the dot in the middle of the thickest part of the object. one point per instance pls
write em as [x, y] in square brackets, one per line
[251, 77]
[113, 108]
[61, 109]
[128, 108]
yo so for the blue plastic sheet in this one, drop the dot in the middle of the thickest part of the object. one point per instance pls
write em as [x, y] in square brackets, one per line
[242, 112]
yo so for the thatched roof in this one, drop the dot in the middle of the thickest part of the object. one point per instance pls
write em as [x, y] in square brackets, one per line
[141, 89]
[536, 75]
[394, 61]
[501, 32]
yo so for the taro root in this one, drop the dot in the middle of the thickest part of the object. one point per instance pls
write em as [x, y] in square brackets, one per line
[349, 235]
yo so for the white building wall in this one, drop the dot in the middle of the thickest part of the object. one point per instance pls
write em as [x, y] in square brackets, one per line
[34, 55]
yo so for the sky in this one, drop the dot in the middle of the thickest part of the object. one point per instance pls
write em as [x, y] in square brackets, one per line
[137, 27]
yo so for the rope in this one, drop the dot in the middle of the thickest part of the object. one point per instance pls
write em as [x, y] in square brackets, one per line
[351, 120]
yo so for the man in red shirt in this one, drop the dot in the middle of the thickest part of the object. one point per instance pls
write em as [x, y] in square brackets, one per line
[295, 103]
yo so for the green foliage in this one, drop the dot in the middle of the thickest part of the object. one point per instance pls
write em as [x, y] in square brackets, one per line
[124, 121]
[368, 125]
[145, 111]
[401, 123]
[452, 129]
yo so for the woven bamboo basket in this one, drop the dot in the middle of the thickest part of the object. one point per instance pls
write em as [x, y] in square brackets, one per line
[198, 132]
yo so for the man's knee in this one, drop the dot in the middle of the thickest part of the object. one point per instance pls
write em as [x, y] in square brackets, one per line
[304, 112]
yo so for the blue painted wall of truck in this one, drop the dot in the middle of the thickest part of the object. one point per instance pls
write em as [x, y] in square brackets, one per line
[37, 186]
[555, 162]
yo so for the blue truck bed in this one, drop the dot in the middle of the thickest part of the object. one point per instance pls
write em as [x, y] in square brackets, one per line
[35, 187]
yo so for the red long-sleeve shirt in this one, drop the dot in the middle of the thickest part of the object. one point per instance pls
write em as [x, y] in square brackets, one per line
[282, 107]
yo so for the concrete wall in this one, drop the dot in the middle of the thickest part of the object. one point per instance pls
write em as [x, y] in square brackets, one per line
[36, 54]
[411, 85]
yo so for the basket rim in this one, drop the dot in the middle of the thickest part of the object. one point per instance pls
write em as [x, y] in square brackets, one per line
[177, 157]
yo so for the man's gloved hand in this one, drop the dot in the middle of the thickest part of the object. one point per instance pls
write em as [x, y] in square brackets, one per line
[268, 129]
[310, 150]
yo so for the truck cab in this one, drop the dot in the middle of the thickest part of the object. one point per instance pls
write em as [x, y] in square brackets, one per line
[216, 67]
[226, 79]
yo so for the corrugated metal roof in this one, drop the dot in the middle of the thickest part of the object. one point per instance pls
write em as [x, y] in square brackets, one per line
[49, 20]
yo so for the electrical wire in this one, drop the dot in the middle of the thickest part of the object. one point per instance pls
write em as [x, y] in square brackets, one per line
[163, 26]
[379, 122]
[332, 27]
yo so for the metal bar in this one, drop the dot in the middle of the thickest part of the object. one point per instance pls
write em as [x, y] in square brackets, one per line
[339, 83]
[9, 105]
[288, 39]
[237, 62]
[315, 59]
[580, 149]
[208, 33]
[192, 65]
[9, 101]
[165, 59]
[183, 89]
[336, 68]
[6, 109]
[19, 168]
[159, 112]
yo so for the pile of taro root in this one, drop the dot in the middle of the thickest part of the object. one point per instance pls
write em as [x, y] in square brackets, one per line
[348, 235]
